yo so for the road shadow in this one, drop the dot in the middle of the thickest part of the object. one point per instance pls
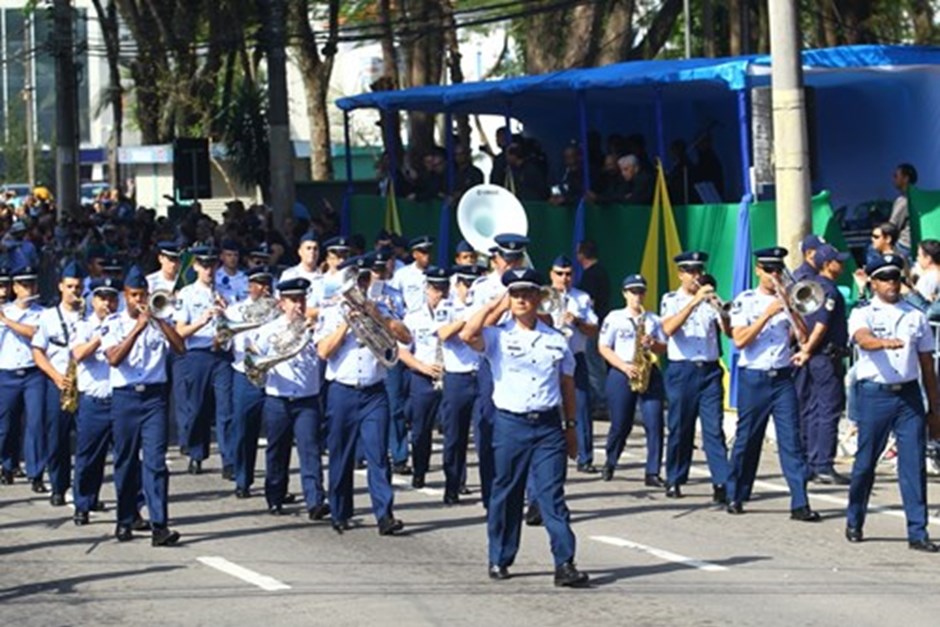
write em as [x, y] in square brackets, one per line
[68, 585]
[600, 578]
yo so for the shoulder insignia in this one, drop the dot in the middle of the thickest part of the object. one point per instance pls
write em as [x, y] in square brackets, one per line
[830, 304]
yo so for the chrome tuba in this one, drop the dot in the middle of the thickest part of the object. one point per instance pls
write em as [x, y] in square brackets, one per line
[485, 211]
[284, 346]
[368, 329]
[253, 315]
[161, 304]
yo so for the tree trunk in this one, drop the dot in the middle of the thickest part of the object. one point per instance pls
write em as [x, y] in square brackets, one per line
[107, 18]
[659, 31]
[709, 48]
[734, 27]
[425, 65]
[922, 14]
[316, 84]
[855, 16]
[829, 23]
[456, 72]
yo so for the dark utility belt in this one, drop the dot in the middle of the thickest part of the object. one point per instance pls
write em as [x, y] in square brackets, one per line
[835, 351]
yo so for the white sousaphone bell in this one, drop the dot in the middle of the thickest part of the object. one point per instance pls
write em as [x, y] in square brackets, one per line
[487, 210]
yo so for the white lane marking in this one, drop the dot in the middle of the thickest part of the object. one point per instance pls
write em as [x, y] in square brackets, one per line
[405, 483]
[660, 553]
[270, 584]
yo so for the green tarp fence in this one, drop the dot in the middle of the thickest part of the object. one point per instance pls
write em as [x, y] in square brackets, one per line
[925, 212]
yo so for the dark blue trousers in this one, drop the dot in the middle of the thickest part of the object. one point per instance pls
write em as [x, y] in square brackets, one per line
[248, 401]
[139, 426]
[11, 448]
[358, 414]
[694, 390]
[520, 446]
[208, 376]
[58, 440]
[759, 396]
[483, 413]
[584, 425]
[396, 385]
[286, 421]
[24, 391]
[423, 404]
[177, 380]
[622, 402]
[880, 412]
[460, 395]
[93, 439]
[820, 389]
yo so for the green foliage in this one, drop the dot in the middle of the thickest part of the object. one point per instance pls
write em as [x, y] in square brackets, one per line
[244, 131]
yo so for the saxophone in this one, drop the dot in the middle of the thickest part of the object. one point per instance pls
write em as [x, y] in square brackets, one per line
[643, 360]
[68, 398]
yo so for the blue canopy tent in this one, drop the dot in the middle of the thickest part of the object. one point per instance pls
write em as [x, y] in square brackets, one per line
[874, 105]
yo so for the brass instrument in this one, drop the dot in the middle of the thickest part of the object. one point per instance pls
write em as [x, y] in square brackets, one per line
[554, 304]
[799, 298]
[368, 329]
[253, 315]
[68, 398]
[438, 383]
[161, 304]
[284, 346]
[643, 359]
[722, 307]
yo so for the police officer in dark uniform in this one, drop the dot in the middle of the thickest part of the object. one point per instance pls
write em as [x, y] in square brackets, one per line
[895, 345]
[810, 266]
[135, 345]
[762, 330]
[820, 386]
[533, 379]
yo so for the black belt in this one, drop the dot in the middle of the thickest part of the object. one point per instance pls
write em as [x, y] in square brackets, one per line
[534, 416]
[773, 373]
[469, 373]
[893, 388]
[362, 388]
[21, 372]
[699, 364]
[141, 388]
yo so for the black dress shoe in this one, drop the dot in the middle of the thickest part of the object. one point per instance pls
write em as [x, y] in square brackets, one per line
[417, 482]
[831, 478]
[464, 490]
[242, 493]
[289, 498]
[319, 512]
[498, 573]
[6, 477]
[80, 519]
[390, 525]
[57, 500]
[19, 473]
[123, 533]
[533, 515]
[924, 545]
[568, 576]
[341, 526]
[735, 507]
[804, 514]
[854, 534]
[361, 464]
[719, 495]
[164, 537]
[673, 492]
[195, 467]
[228, 473]
[275, 510]
[99, 507]
[607, 473]
[451, 499]
[401, 469]
[588, 468]
[140, 524]
[653, 481]
[37, 486]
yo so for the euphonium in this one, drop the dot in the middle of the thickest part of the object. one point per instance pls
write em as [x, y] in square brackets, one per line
[643, 360]
[254, 314]
[68, 399]
[284, 346]
[368, 329]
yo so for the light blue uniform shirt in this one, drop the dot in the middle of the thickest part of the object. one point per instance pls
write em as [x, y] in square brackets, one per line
[53, 337]
[231, 287]
[316, 278]
[16, 351]
[770, 350]
[579, 304]
[390, 297]
[485, 289]
[697, 338]
[297, 377]
[145, 364]
[94, 372]
[191, 302]
[351, 363]
[234, 313]
[899, 320]
[459, 357]
[527, 366]
[423, 324]
[156, 281]
[410, 281]
[619, 332]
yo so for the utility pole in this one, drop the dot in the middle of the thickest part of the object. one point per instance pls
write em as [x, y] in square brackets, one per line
[281, 165]
[28, 98]
[791, 152]
[66, 158]
[687, 26]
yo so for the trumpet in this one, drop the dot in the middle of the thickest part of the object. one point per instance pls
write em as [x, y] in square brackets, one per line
[160, 304]
[714, 300]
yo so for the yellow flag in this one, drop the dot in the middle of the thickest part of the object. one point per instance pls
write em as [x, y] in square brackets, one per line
[392, 222]
[671, 233]
[661, 210]
[650, 266]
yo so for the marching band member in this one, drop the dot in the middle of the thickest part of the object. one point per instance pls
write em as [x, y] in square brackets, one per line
[22, 386]
[230, 282]
[762, 330]
[693, 379]
[357, 406]
[533, 370]
[259, 256]
[247, 398]
[578, 322]
[168, 257]
[894, 342]
[291, 410]
[54, 331]
[5, 285]
[508, 254]
[617, 345]
[135, 345]
[461, 393]
[207, 370]
[820, 381]
[424, 358]
[308, 250]
[464, 255]
[410, 279]
[93, 420]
